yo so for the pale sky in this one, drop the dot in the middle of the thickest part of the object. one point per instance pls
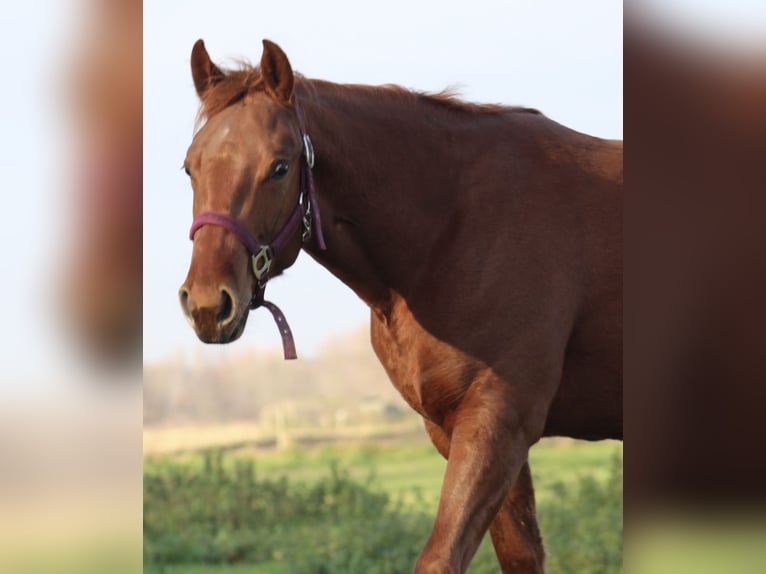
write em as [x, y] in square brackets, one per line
[564, 58]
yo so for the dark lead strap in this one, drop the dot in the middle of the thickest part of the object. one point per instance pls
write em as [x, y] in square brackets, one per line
[288, 343]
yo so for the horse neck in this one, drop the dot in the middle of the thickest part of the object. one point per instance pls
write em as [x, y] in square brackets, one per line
[384, 179]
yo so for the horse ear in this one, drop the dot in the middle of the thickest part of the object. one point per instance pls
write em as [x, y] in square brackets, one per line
[204, 72]
[276, 72]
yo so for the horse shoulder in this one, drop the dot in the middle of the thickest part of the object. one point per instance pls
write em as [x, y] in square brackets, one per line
[431, 375]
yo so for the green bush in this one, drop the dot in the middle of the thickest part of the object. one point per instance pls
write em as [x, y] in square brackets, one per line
[582, 525]
[219, 514]
[216, 511]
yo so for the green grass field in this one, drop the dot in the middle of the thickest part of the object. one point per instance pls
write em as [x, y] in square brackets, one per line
[273, 568]
[567, 475]
[401, 469]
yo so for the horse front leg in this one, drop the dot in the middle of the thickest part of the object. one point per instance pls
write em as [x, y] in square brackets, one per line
[487, 449]
[515, 534]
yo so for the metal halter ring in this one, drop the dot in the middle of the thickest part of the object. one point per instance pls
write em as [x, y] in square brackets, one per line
[308, 150]
[262, 262]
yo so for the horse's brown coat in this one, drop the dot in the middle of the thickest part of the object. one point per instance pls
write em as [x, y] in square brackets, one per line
[487, 242]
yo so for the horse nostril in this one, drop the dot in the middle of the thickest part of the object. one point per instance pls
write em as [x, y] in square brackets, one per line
[183, 296]
[226, 312]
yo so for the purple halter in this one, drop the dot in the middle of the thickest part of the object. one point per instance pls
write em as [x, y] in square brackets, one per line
[262, 256]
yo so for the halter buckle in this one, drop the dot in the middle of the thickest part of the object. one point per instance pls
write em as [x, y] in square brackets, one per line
[308, 150]
[261, 263]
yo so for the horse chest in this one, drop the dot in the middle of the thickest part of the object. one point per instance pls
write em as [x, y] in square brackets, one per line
[429, 374]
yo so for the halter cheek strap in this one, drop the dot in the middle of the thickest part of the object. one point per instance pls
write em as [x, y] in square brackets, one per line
[305, 215]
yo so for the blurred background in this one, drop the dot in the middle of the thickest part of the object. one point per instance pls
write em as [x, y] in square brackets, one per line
[695, 275]
[70, 409]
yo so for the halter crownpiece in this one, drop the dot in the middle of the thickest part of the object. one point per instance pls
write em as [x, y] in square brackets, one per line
[305, 214]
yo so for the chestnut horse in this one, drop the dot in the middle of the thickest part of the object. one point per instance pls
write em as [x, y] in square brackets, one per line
[486, 240]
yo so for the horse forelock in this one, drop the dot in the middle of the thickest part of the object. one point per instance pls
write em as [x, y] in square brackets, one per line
[227, 91]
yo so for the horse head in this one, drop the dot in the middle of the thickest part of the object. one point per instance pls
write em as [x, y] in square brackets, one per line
[251, 211]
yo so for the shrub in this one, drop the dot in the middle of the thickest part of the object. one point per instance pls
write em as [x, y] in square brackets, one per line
[219, 514]
[582, 525]
[212, 510]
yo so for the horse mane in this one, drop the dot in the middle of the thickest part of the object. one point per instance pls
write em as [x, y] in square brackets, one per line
[239, 82]
[450, 99]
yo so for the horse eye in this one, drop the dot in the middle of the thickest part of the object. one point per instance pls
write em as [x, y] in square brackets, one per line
[279, 170]
[186, 169]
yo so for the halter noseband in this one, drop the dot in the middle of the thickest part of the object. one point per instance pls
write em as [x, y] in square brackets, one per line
[262, 256]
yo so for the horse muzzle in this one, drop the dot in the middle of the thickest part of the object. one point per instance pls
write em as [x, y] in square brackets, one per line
[215, 314]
